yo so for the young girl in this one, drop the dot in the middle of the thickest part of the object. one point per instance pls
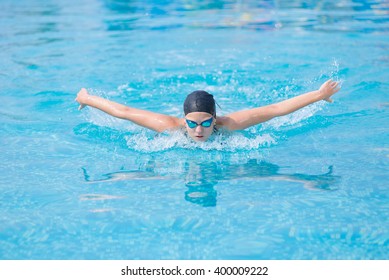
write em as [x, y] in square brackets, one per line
[200, 118]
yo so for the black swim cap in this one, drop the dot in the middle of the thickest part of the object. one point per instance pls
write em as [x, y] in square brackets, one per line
[200, 101]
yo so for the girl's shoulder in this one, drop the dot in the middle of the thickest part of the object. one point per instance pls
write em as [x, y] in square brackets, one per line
[222, 122]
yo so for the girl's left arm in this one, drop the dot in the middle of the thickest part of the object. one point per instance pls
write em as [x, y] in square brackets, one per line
[246, 118]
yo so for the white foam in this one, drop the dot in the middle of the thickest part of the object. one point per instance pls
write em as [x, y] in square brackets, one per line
[146, 142]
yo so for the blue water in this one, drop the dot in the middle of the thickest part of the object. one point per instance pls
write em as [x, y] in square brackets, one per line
[83, 185]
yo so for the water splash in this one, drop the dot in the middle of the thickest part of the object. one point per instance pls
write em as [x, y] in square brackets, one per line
[226, 141]
[333, 71]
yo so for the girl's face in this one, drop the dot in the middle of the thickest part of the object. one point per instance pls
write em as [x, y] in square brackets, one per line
[199, 125]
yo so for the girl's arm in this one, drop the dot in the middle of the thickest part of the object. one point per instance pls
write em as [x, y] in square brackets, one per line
[151, 120]
[243, 119]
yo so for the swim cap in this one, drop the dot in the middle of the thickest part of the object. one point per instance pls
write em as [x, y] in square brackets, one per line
[200, 101]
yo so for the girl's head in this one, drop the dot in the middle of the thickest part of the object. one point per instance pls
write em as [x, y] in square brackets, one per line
[200, 115]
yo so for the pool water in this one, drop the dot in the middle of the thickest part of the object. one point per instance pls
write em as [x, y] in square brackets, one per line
[83, 185]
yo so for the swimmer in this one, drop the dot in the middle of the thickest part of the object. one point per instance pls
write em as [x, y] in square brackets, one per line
[200, 119]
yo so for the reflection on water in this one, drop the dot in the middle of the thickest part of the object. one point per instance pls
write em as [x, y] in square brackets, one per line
[201, 178]
[255, 15]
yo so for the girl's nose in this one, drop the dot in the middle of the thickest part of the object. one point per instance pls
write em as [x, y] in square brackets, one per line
[199, 128]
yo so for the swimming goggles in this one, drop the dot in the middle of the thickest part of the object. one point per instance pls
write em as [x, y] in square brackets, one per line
[206, 123]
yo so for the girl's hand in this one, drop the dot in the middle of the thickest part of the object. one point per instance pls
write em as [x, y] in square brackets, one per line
[82, 98]
[328, 89]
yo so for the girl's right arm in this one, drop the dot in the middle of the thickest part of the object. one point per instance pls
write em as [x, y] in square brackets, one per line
[155, 121]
